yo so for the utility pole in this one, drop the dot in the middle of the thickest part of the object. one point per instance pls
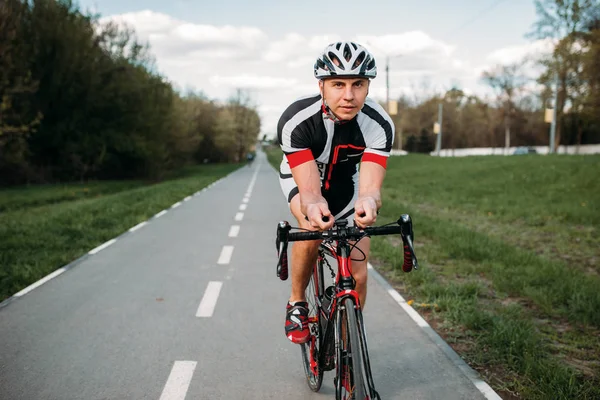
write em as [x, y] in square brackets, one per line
[387, 83]
[438, 145]
[553, 126]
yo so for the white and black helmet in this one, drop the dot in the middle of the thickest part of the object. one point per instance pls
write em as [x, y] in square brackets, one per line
[345, 59]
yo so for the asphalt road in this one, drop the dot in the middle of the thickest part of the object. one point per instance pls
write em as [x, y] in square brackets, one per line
[168, 312]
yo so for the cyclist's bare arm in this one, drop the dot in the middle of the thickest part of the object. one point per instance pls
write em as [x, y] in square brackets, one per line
[369, 193]
[312, 203]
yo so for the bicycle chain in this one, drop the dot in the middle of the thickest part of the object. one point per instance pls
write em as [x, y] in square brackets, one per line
[329, 266]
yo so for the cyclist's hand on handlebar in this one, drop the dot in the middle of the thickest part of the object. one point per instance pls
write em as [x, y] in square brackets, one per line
[365, 212]
[319, 216]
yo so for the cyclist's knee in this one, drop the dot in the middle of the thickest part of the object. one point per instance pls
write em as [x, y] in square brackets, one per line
[359, 272]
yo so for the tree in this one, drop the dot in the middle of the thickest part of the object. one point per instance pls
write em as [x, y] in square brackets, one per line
[18, 117]
[508, 82]
[562, 21]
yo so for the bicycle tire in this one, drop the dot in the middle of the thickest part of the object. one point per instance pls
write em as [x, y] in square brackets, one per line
[310, 351]
[350, 355]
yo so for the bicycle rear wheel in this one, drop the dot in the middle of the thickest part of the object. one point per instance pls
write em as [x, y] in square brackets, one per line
[311, 350]
[351, 370]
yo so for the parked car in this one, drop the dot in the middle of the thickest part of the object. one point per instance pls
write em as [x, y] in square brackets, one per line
[524, 150]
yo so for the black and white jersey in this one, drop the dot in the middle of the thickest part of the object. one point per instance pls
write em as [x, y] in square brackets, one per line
[305, 133]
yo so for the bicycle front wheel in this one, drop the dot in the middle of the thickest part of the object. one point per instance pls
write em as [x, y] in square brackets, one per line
[311, 350]
[351, 380]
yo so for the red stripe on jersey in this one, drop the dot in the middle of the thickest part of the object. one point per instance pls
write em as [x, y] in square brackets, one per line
[299, 157]
[376, 158]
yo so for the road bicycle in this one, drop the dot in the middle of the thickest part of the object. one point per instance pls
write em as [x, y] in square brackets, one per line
[337, 332]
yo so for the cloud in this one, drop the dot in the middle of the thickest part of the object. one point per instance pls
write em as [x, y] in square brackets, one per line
[169, 36]
[516, 54]
[277, 70]
[248, 81]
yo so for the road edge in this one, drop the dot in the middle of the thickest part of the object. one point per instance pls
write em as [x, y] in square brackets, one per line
[469, 372]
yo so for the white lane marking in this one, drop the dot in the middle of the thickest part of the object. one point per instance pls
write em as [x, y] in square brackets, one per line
[160, 214]
[179, 380]
[209, 301]
[102, 246]
[246, 199]
[138, 226]
[243, 207]
[253, 181]
[40, 282]
[473, 376]
[176, 205]
[187, 198]
[239, 216]
[234, 230]
[225, 256]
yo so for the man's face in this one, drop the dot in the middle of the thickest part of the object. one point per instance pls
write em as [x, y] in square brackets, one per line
[345, 96]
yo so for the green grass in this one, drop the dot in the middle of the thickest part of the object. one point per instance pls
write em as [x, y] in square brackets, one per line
[44, 228]
[509, 256]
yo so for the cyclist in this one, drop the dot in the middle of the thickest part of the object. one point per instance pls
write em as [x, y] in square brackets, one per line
[324, 138]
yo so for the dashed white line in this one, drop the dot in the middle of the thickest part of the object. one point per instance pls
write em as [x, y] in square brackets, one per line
[246, 199]
[243, 206]
[102, 246]
[160, 214]
[179, 380]
[209, 301]
[40, 282]
[187, 198]
[138, 226]
[239, 216]
[234, 230]
[225, 256]
[176, 205]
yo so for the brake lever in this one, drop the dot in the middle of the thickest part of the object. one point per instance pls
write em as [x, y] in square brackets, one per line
[281, 243]
[406, 231]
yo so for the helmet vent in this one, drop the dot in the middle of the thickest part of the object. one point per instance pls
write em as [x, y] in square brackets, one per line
[336, 60]
[347, 52]
[359, 60]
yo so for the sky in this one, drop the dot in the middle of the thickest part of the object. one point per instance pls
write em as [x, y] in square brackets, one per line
[268, 47]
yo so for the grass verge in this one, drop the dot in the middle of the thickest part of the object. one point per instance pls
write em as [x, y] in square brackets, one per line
[53, 225]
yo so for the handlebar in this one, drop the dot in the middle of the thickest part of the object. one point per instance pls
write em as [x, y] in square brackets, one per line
[341, 232]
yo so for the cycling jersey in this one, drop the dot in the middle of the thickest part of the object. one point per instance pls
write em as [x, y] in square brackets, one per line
[306, 133]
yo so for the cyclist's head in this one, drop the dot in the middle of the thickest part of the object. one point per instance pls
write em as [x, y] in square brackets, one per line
[344, 70]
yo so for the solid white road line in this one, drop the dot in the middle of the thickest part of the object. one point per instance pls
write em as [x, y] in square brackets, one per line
[225, 256]
[239, 216]
[234, 230]
[207, 305]
[179, 380]
[243, 207]
[253, 181]
[473, 376]
[138, 226]
[102, 246]
[40, 282]
[160, 214]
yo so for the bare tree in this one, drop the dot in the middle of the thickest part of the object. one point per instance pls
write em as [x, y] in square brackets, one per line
[508, 82]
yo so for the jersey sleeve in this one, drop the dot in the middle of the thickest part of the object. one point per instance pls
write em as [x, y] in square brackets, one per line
[379, 133]
[294, 140]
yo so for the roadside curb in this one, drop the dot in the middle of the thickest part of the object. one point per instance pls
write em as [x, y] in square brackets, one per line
[470, 373]
[77, 261]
